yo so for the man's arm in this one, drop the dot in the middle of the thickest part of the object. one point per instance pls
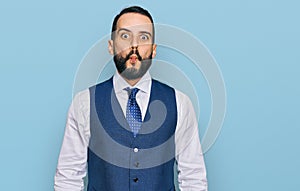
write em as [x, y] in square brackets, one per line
[72, 162]
[189, 156]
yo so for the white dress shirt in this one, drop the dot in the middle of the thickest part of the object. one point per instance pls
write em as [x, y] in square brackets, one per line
[72, 162]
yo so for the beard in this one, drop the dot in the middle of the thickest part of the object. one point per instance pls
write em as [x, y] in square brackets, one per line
[132, 73]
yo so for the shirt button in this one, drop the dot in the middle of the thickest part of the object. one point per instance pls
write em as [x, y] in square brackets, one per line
[135, 179]
[135, 150]
[137, 164]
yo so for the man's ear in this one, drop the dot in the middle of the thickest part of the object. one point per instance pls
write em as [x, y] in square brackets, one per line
[153, 50]
[111, 47]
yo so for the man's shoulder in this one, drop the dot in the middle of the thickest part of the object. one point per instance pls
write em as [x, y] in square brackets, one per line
[165, 85]
[105, 83]
[180, 96]
[82, 94]
[160, 84]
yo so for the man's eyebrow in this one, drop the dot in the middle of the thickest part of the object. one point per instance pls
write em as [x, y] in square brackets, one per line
[127, 30]
[146, 32]
[124, 29]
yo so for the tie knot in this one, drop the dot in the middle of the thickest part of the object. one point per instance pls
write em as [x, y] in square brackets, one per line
[132, 92]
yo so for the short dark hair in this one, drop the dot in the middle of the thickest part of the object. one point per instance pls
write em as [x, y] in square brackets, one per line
[132, 9]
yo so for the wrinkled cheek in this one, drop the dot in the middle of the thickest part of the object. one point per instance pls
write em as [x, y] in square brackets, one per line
[145, 53]
[123, 50]
[123, 53]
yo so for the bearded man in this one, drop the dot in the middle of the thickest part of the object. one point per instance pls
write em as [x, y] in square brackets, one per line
[128, 132]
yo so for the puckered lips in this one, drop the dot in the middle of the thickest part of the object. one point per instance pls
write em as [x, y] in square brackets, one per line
[133, 58]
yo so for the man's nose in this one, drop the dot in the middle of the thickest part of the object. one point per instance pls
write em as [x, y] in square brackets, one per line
[134, 42]
[134, 48]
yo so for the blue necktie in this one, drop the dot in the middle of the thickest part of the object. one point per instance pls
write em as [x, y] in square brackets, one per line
[133, 112]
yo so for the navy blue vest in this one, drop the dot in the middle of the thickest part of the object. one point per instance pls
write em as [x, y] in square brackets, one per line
[118, 161]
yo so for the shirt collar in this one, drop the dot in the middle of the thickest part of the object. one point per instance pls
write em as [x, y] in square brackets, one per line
[144, 84]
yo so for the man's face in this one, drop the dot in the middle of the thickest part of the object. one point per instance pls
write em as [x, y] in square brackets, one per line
[132, 45]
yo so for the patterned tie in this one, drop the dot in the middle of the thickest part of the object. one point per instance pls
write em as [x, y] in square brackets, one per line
[133, 112]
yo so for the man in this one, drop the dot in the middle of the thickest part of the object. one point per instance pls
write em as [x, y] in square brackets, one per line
[128, 132]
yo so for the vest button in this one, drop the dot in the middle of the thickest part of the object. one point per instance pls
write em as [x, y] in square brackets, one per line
[135, 179]
[135, 150]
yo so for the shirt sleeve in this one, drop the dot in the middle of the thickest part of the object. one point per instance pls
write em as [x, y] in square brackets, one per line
[72, 161]
[189, 157]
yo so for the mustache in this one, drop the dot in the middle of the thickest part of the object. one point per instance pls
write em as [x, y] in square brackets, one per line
[135, 51]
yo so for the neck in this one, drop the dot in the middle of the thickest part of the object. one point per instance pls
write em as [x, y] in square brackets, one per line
[132, 82]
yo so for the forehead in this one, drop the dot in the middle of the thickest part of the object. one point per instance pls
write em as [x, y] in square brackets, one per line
[134, 22]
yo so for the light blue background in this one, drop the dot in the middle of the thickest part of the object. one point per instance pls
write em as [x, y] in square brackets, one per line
[256, 44]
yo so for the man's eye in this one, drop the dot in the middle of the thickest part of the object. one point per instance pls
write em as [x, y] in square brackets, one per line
[125, 36]
[144, 37]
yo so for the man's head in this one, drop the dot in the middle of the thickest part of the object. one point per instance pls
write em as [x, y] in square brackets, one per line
[132, 42]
